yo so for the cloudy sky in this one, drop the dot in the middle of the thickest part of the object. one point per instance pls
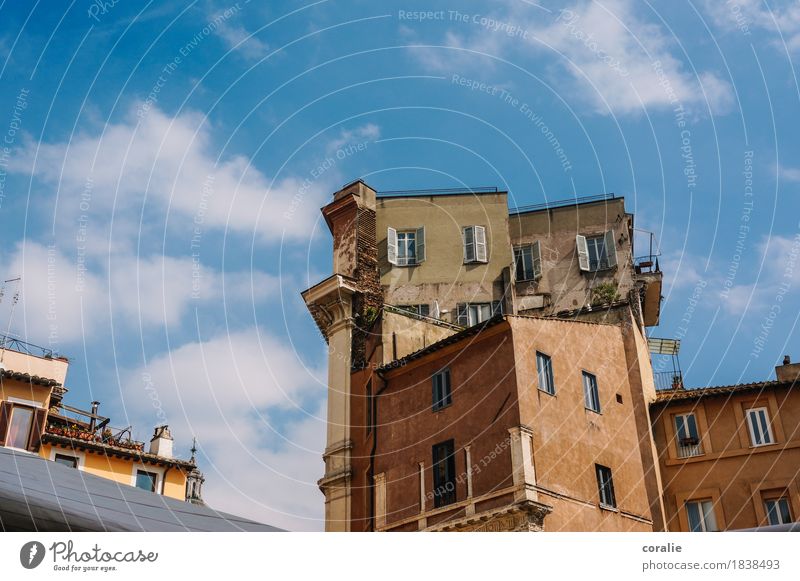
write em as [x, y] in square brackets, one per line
[162, 166]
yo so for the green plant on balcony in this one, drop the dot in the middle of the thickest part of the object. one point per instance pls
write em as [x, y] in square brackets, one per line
[604, 294]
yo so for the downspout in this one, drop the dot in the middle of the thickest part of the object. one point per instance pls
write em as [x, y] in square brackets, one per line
[164, 480]
[374, 447]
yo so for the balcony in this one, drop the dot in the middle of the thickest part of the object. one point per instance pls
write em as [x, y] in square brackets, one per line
[668, 380]
[689, 447]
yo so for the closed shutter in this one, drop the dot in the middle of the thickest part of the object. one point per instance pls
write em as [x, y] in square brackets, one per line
[462, 318]
[420, 245]
[583, 252]
[5, 414]
[611, 249]
[391, 245]
[480, 244]
[469, 244]
[536, 251]
[37, 429]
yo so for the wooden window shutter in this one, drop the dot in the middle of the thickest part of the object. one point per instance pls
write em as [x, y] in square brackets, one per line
[536, 251]
[611, 249]
[481, 254]
[391, 245]
[469, 243]
[5, 415]
[583, 252]
[37, 429]
[462, 317]
[420, 245]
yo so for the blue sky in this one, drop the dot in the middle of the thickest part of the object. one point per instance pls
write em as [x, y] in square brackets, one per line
[162, 166]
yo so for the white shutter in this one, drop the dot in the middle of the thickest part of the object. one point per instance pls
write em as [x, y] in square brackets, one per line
[391, 245]
[536, 253]
[583, 252]
[611, 249]
[462, 317]
[469, 243]
[435, 313]
[480, 244]
[420, 245]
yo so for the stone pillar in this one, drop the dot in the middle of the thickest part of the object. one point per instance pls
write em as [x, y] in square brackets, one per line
[523, 472]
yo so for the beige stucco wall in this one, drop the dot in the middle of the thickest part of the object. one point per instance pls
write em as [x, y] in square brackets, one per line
[555, 229]
[444, 276]
[55, 369]
[403, 335]
[568, 440]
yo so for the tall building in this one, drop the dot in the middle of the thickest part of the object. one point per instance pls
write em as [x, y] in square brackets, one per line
[490, 369]
[463, 334]
[35, 419]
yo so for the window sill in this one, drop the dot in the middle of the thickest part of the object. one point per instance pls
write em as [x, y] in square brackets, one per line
[476, 262]
[553, 394]
[441, 408]
[598, 412]
[764, 445]
[608, 508]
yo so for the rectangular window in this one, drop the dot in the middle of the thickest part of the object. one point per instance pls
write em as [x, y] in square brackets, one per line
[701, 516]
[475, 244]
[406, 248]
[528, 262]
[423, 310]
[442, 396]
[19, 428]
[605, 485]
[778, 512]
[758, 423]
[596, 252]
[146, 480]
[469, 314]
[70, 461]
[544, 367]
[687, 436]
[444, 474]
[591, 396]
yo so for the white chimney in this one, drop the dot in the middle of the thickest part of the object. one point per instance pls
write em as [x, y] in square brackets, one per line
[161, 442]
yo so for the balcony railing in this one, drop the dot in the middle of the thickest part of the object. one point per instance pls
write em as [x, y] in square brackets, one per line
[668, 380]
[689, 448]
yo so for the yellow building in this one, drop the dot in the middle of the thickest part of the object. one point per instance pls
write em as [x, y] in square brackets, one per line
[33, 418]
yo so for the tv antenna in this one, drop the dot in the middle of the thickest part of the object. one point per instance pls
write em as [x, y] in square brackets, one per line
[14, 301]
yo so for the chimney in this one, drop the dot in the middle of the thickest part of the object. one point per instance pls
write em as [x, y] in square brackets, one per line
[93, 419]
[789, 371]
[161, 442]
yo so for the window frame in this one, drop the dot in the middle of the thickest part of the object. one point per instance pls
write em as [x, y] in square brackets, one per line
[596, 387]
[75, 459]
[535, 253]
[548, 362]
[393, 246]
[463, 312]
[768, 424]
[448, 473]
[703, 504]
[475, 245]
[32, 411]
[159, 472]
[585, 257]
[605, 486]
[681, 448]
[442, 389]
[777, 500]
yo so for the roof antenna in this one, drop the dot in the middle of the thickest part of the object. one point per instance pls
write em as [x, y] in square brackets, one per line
[14, 301]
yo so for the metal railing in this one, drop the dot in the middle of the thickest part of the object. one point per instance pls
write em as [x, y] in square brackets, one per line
[14, 344]
[687, 450]
[561, 203]
[437, 192]
[668, 380]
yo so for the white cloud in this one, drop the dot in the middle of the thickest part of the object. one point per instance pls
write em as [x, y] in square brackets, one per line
[170, 162]
[779, 18]
[789, 174]
[237, 38]
[221, 391]
[615, 60]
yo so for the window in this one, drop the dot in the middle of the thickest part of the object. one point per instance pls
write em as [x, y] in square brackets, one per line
[528, 262]
[469, 314]
[422, 310]
[687, 436]
[591, 396]
[596, 252]
[701, 516]
[475, 244]
[605, 485]
[442, 396]
[444, 474]
[405, 247]
[778, 512]
[544, 367]
[760, 431]
[19, 429]
[70, 461]
[146, 480]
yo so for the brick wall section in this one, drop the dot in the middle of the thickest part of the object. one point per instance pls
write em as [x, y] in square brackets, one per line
[368, 303]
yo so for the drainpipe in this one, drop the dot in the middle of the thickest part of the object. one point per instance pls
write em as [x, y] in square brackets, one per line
[164, 480]
[374, 447]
